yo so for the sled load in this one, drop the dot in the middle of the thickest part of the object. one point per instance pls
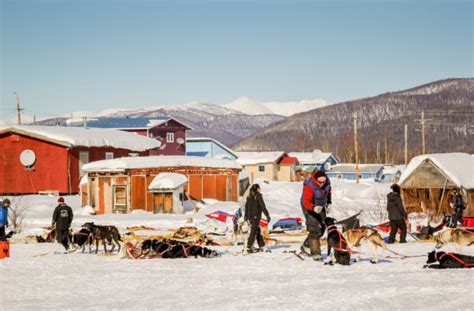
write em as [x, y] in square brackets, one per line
[288, 224]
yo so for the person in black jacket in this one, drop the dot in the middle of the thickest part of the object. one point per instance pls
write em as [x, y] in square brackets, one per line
[62, 218]
[254, 207]
[396, 214]
[458, 206]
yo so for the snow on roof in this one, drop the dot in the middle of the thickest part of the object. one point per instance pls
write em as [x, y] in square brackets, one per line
[252, 158]
[128, 123]
[459, 167]
[208, 139]
[350, 168]
[122, 164]
[76, 136]
[167, 181]
[391, 169]
[307, 157]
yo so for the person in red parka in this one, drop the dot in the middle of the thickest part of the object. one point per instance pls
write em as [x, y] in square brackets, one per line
[315, 202]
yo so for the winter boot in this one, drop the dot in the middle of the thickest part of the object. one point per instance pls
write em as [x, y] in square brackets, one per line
[315, 248]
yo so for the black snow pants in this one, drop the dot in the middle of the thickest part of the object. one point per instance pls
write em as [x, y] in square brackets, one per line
[255, 233]
[394, 226]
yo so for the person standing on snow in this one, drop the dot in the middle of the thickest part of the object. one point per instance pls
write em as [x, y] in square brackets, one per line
[4, 219]
[254, 207]
[315, 202]
[396, 214]
[458, 206]
[62, 218]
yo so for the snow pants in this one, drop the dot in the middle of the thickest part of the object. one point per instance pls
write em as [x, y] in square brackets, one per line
[3, 237]
[394, 226]
[255, 234]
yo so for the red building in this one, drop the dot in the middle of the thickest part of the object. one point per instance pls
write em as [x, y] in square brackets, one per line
[49, 158]
[170, 132]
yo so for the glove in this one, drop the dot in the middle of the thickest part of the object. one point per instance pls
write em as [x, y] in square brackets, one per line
[318, 209]
[268, 219]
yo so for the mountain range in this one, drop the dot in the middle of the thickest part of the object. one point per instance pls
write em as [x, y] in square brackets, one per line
[227, 123]
[249, 125]
[447, 105]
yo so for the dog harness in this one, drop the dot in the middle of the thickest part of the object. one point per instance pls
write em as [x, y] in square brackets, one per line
[452, 255]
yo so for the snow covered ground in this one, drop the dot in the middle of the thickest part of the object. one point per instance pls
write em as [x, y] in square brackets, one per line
[39, 276]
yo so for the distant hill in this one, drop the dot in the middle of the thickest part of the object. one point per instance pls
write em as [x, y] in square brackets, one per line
[250, 106]
[448, 106]
[218, 122]
[223, 123]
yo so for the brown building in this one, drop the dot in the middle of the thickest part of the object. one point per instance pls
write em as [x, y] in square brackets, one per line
[428, 181]
[123, 185]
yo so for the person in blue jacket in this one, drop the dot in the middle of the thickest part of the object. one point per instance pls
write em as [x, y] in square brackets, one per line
[4, 218]
[315, 201]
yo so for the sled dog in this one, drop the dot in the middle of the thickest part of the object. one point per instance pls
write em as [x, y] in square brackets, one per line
[242, 230]
[458, 237]
[355, 237]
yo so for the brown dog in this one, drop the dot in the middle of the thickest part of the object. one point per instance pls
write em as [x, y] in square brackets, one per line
[355, 237]
[458, 237]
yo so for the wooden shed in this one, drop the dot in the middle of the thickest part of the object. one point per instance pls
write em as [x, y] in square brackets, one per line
[429, 179]
[168, 193]
[122, 185]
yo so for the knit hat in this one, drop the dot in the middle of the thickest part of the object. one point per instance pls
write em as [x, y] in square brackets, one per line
[318, 174]
[61, 199]
[396, 188]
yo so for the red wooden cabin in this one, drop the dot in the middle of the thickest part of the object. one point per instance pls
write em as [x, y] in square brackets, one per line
[49, 158]
[170, 132]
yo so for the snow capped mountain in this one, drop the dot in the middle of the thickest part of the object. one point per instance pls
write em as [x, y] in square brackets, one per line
[250, 106]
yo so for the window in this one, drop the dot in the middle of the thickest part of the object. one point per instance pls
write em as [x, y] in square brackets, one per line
[83, 159]
[109, 155]
[120, 198]
[261, 168]
[133, 154]
[170, 137]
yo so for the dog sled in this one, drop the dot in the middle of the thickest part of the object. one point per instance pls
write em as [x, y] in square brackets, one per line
[288, 224]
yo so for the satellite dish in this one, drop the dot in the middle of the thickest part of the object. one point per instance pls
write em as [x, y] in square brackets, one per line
[180, 140]
[327, 166]
[317, 154]
[27, 157]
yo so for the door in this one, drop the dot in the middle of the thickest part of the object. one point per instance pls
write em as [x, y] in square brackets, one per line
[163, 203]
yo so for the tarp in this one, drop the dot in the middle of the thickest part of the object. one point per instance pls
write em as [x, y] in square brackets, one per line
[288, 223]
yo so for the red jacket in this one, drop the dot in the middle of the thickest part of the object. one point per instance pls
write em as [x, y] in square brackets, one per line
[308, 193]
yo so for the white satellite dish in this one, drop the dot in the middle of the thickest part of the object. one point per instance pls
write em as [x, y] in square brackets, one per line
[180, 140]
[327, 166]
[27, 157]
[317, 154]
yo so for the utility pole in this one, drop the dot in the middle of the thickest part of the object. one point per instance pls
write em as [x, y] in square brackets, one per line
[385, 146]
[18, 109]
[356, 149]
[34, 119]
[423, 133]
[406, 144]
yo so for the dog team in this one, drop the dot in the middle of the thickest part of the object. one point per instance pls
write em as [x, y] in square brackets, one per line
[315, 203]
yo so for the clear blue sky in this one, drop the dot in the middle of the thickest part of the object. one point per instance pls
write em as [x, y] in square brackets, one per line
[68, 56]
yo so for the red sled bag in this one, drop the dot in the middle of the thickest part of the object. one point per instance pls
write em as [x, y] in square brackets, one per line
[4, 249]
